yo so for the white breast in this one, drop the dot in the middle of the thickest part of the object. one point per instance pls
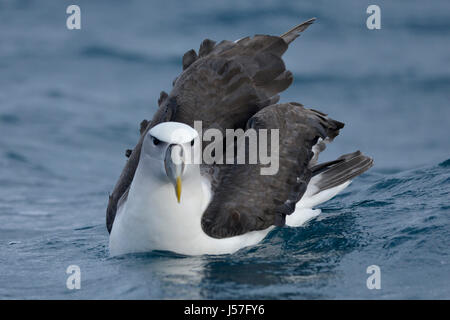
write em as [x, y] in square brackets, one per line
[151, 219]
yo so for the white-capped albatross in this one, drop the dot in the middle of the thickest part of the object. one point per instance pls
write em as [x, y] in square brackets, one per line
[164, 202]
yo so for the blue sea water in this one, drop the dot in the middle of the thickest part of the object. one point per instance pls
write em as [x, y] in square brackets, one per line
[71, 102]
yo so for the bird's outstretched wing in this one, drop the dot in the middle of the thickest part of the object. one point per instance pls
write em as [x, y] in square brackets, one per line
[224, 85]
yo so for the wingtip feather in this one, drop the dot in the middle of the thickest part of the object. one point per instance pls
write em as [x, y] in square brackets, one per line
[293, 33]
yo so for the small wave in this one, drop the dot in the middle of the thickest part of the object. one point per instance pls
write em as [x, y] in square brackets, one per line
[54, 94]
[388, 183]
[372, 203]
[445, 164]
[35, 213]
[413, 230]
[84, 228]
[105, 52]
[127, 56]
[11, 155]
[429, 26]
[396, 241]
[413, 183]
[9, 118]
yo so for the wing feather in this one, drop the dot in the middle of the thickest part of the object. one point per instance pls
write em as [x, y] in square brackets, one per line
[247, 201]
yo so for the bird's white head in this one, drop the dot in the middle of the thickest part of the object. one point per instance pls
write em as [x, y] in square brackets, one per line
[172, 150]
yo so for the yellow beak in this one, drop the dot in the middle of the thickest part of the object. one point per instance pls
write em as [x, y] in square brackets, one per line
[178, 187]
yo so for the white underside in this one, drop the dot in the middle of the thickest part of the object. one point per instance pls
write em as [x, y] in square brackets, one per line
[145, 223]
[304, 208]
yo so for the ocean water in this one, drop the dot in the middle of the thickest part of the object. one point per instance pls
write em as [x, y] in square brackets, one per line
[71, 103]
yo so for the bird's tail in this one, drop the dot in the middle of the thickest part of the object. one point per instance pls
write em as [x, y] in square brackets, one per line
[345, 168]
[329, 179]
[292, 34]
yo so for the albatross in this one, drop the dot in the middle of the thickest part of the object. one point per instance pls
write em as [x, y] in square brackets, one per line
[164, 202]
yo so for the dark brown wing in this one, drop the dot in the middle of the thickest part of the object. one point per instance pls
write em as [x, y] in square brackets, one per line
[223, 86]
[247, 201]
[226, 86]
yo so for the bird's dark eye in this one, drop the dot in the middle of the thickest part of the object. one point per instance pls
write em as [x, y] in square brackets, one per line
[192, 142]
[155, 141]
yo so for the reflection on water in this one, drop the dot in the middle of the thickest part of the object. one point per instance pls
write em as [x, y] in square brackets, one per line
[289, 259]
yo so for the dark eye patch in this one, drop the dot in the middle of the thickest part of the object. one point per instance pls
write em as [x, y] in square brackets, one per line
[155, 141]
[192, 142]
